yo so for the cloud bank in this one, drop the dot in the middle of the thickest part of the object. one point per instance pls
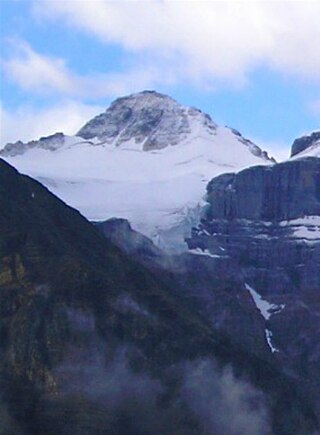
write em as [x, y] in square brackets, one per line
[193, 397]
[202, 40]
[207, 45]
[28, 122]
[48, 75]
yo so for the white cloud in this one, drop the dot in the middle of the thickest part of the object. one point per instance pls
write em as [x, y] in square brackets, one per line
[32, 71]
[28, 123]
[203, 39]
[43, 74]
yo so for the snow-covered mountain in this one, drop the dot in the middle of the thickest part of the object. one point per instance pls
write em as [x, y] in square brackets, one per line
[146, 158]
[306, 146]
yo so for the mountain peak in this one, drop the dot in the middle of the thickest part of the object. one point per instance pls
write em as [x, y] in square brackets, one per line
[147, 95]
[146, 121]
[143, 100]
[149, 118]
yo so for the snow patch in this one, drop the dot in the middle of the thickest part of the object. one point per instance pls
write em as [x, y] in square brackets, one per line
[269, 338]
[306, 228]
[266, 308]
[307, 233]
[205, 252]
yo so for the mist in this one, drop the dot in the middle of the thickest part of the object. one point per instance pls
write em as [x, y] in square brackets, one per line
[100, 393]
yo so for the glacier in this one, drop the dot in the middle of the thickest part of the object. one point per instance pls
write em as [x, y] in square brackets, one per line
[147, 159]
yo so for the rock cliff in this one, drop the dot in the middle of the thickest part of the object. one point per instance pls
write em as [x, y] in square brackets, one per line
[267, 220]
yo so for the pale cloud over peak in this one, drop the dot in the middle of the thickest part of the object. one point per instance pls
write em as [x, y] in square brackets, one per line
[217, 39]
[67, 117]
[36, 72]
[44, 74]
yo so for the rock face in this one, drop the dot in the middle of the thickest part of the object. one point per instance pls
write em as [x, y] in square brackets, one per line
[214, 285]
[49, 143]
[268, 221]
[121, 234]
[305, 142]
[277, 193]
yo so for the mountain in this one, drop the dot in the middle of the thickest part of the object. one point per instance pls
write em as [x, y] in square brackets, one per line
[308, 145]
[146, 159]
[267, 220]
[93, 342]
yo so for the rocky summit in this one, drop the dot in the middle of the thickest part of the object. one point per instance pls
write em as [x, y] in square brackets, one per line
[155, 121]
[151, 119]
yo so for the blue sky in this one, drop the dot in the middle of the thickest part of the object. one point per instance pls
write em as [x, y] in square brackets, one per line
[252, 65]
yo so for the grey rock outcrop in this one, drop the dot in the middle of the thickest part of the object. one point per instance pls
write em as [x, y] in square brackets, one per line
[121, 234]
[148, 117]
[268, 193]
[305, 142]
[49, 143]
